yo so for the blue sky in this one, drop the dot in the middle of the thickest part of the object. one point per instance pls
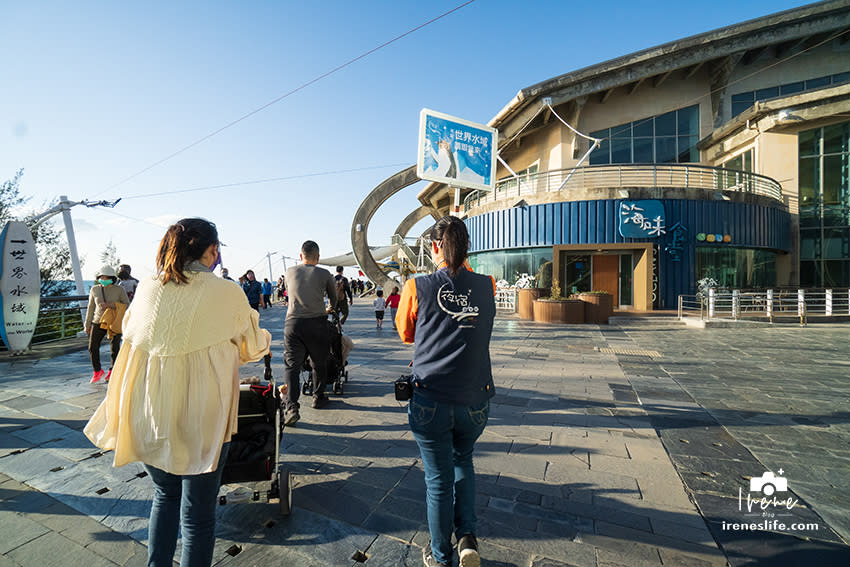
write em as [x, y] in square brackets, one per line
[95, 92]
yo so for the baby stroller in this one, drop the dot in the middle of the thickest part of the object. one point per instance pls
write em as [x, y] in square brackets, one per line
[255, 449]
[336, 362]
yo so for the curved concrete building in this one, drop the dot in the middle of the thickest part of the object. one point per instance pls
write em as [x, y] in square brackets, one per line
[724, 155]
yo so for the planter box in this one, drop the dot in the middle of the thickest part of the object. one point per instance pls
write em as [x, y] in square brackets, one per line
[597, 307]
[525, 301]
[563, 311]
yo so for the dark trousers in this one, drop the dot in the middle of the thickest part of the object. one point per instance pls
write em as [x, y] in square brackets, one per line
[342, 310]
[303, 338]
[267, 300]
[95, 338]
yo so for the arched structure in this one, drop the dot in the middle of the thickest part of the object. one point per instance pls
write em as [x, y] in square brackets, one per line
[364, 214]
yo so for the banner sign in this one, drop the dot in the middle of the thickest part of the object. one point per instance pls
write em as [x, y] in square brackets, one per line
[456, 152]
[642, 219]
[20, 286]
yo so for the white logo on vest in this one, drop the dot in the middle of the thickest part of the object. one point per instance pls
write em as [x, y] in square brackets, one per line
[456, 304]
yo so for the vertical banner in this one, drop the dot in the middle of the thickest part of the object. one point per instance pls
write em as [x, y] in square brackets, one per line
[456, 152]
[20, 286]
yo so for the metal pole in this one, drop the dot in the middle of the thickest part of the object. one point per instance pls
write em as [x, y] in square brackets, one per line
[72, 248]
[269, 257]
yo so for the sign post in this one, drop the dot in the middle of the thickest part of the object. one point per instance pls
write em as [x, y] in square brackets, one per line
[20, 286]
[456, 152]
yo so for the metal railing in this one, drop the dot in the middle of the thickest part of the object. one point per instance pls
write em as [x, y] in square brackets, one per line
[58, 318]
[421, 259]
[681, 176]
[771, 303]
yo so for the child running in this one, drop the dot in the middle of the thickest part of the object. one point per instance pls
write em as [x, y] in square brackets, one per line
[380, 305]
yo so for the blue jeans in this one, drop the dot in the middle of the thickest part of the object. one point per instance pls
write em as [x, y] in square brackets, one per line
[446, 435]
[187, 501]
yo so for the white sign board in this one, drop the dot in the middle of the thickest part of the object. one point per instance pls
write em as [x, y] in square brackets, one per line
[20, 286]
[456, 152]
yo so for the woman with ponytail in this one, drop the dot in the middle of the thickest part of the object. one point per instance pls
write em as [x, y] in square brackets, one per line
[172, 402]
[449, 316]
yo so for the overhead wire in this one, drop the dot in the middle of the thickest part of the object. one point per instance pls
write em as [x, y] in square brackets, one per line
[260, 181]
[285, 95]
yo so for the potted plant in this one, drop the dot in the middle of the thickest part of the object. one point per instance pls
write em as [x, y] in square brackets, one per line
[558, 309]
[598, 306]
[526, 294]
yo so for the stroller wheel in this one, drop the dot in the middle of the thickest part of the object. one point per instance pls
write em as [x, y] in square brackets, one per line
[285, 487]
[338, 388]
[306, 389]
[345, 375]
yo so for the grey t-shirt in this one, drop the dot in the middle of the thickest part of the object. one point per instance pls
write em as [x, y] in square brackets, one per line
[307, 286]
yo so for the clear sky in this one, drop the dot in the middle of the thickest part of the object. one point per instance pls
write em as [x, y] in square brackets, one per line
[96, 92]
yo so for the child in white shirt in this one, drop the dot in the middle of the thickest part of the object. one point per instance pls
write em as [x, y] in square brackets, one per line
[380, 305]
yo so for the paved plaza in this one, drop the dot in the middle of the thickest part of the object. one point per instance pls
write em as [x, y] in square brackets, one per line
[620, 445]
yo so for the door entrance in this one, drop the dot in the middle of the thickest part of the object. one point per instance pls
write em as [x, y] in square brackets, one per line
[606, 274]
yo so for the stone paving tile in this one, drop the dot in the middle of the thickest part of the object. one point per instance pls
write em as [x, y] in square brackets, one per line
[55, 550]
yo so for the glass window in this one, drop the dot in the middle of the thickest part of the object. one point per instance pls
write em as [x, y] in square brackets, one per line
[602, 154]
[770, 92]
[836, 273]
[665, 150]
[626, 274]
[665, 124]
[688, 152]
[809, 143]
[817, 83]
[688, 121]
[643, 150]
[643, 128]
[737, 268]
[622, 131]
[809, 177]
[840, 78]
[810, 243]
[836, 138]
[576, 270]
[836, 243]
[835, 179]
[810, 274]
[792, 88]
[510, 264]
[621, 150]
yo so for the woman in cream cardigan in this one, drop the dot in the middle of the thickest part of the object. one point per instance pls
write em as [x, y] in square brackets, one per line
[173, 398]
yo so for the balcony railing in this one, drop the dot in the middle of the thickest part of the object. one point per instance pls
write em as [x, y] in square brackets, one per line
[680, 176]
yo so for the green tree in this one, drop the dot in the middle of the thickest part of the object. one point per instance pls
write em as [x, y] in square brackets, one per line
[109, 256]
[54, 258]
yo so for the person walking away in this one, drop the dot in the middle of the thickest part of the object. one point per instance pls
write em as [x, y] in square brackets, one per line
[392, 303]
[306, 328]
[253, 290]
[104, 295]
[380, 305]
[281, 287]
[173, 400]
[448, 316]
[126, 281]
[267, 293]
[344, 296]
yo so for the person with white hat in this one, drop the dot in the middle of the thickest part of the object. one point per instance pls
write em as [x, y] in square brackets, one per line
[103, 295]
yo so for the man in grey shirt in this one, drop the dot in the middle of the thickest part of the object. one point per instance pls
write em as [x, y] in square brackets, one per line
[306, 329]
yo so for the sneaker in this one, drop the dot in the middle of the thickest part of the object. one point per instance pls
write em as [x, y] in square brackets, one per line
[467, 552]
[428, 558]
[320, 401]
[108, 375]
[291, 416]
[97, 376]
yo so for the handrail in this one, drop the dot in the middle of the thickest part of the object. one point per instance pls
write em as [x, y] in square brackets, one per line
[769, 303]
[683, 176]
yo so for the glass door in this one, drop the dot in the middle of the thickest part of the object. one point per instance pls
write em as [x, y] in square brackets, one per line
[626, 279]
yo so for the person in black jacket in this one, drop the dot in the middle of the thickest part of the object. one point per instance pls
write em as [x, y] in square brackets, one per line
[448, 315]
[253, 290]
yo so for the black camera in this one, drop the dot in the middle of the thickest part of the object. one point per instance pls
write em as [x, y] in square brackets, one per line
[403, 389]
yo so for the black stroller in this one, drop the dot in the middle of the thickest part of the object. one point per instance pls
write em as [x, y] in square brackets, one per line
[336, 371]
[255, 449]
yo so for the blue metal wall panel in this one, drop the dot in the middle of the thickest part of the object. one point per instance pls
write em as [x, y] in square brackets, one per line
[596, 222]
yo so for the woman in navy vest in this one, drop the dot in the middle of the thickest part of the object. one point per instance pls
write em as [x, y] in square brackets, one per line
[449, 316]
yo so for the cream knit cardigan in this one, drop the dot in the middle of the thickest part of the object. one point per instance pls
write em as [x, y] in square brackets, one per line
[173, 397]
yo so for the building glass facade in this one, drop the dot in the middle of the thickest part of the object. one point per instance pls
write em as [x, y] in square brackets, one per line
[737, 268]
[510, 265]
[743, 101]
[666, 138]
[824, 171]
